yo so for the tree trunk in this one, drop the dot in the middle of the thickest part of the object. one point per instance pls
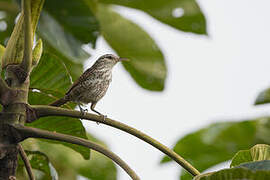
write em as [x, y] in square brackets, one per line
[8, 154]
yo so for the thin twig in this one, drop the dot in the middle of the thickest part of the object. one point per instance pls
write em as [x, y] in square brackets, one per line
[42, 111]
[26, 163]
[28, 39]
[27, 132]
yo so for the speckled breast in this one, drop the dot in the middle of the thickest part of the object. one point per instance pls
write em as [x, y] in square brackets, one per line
[93, 88]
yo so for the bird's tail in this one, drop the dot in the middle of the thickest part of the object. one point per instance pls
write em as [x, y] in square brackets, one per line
[59, 102]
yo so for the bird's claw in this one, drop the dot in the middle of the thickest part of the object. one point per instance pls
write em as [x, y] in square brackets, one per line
[103, 118]
[83, 111]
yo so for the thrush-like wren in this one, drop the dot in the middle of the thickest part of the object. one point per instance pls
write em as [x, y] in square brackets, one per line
[93, 84]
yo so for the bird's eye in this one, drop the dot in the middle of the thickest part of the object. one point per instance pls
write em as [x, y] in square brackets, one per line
[110, 57]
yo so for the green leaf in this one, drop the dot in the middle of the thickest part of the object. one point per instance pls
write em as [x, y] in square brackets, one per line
[74, 68]
[46, 97]
[67, 48]
[37, 52]
[64, 125]
[258, 152]
[76, 18]
[235, 174]
[70, 164]
[65, 27]
[184, 15]
[99, 167]
[50, 80]
[258, 165]
[50, 74]
[263, 97]
[55, 36]
[39, 161]
[146, 65]
[215, 144]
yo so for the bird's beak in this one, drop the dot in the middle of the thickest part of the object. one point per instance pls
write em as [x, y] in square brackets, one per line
[123, 59]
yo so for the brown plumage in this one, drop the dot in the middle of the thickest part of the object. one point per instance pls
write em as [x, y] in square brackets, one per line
[93, 84]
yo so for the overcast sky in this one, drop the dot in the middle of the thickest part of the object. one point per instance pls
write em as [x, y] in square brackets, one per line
[210, 79]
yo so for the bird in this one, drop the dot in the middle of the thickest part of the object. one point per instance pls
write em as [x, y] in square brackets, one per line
[92, 85]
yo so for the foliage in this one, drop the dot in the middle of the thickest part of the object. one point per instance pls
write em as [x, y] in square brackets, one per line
[67, 163]
[246, 164]
[219, 142]
[65, 27]
[259, 152]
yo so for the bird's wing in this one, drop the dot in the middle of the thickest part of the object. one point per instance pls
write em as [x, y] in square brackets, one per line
[82, 78]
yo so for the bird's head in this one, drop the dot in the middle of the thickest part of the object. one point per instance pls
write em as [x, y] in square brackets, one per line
[109, 60]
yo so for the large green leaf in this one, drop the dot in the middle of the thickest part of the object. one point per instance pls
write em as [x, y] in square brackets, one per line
[57, 37]
[146, 65]
[258, 152]
[258, 165]
[217, 143]
[263, 97]
[76, 17]
[184, 15]
[64, 125]
[238, 173]
[39, 161]
[50, 80]
[51, 74]
[74, 68]
[63, 45]
[65, 27]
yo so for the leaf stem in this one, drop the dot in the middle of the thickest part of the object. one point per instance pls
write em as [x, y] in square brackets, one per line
[42, 111]
[26, 163]
[27, 132]
[28, 39]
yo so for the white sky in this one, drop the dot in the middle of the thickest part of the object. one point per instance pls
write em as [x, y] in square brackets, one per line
[209, 79]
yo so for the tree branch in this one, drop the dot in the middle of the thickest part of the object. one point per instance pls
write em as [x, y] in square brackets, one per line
[42, 111]
[27, 132]
[28, 39]
[26, 163]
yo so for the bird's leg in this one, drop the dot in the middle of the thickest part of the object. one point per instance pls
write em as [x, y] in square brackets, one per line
[93, 105]
[81, 109]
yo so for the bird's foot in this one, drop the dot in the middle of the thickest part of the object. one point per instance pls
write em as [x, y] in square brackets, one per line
[103, 118]
[82, 110]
